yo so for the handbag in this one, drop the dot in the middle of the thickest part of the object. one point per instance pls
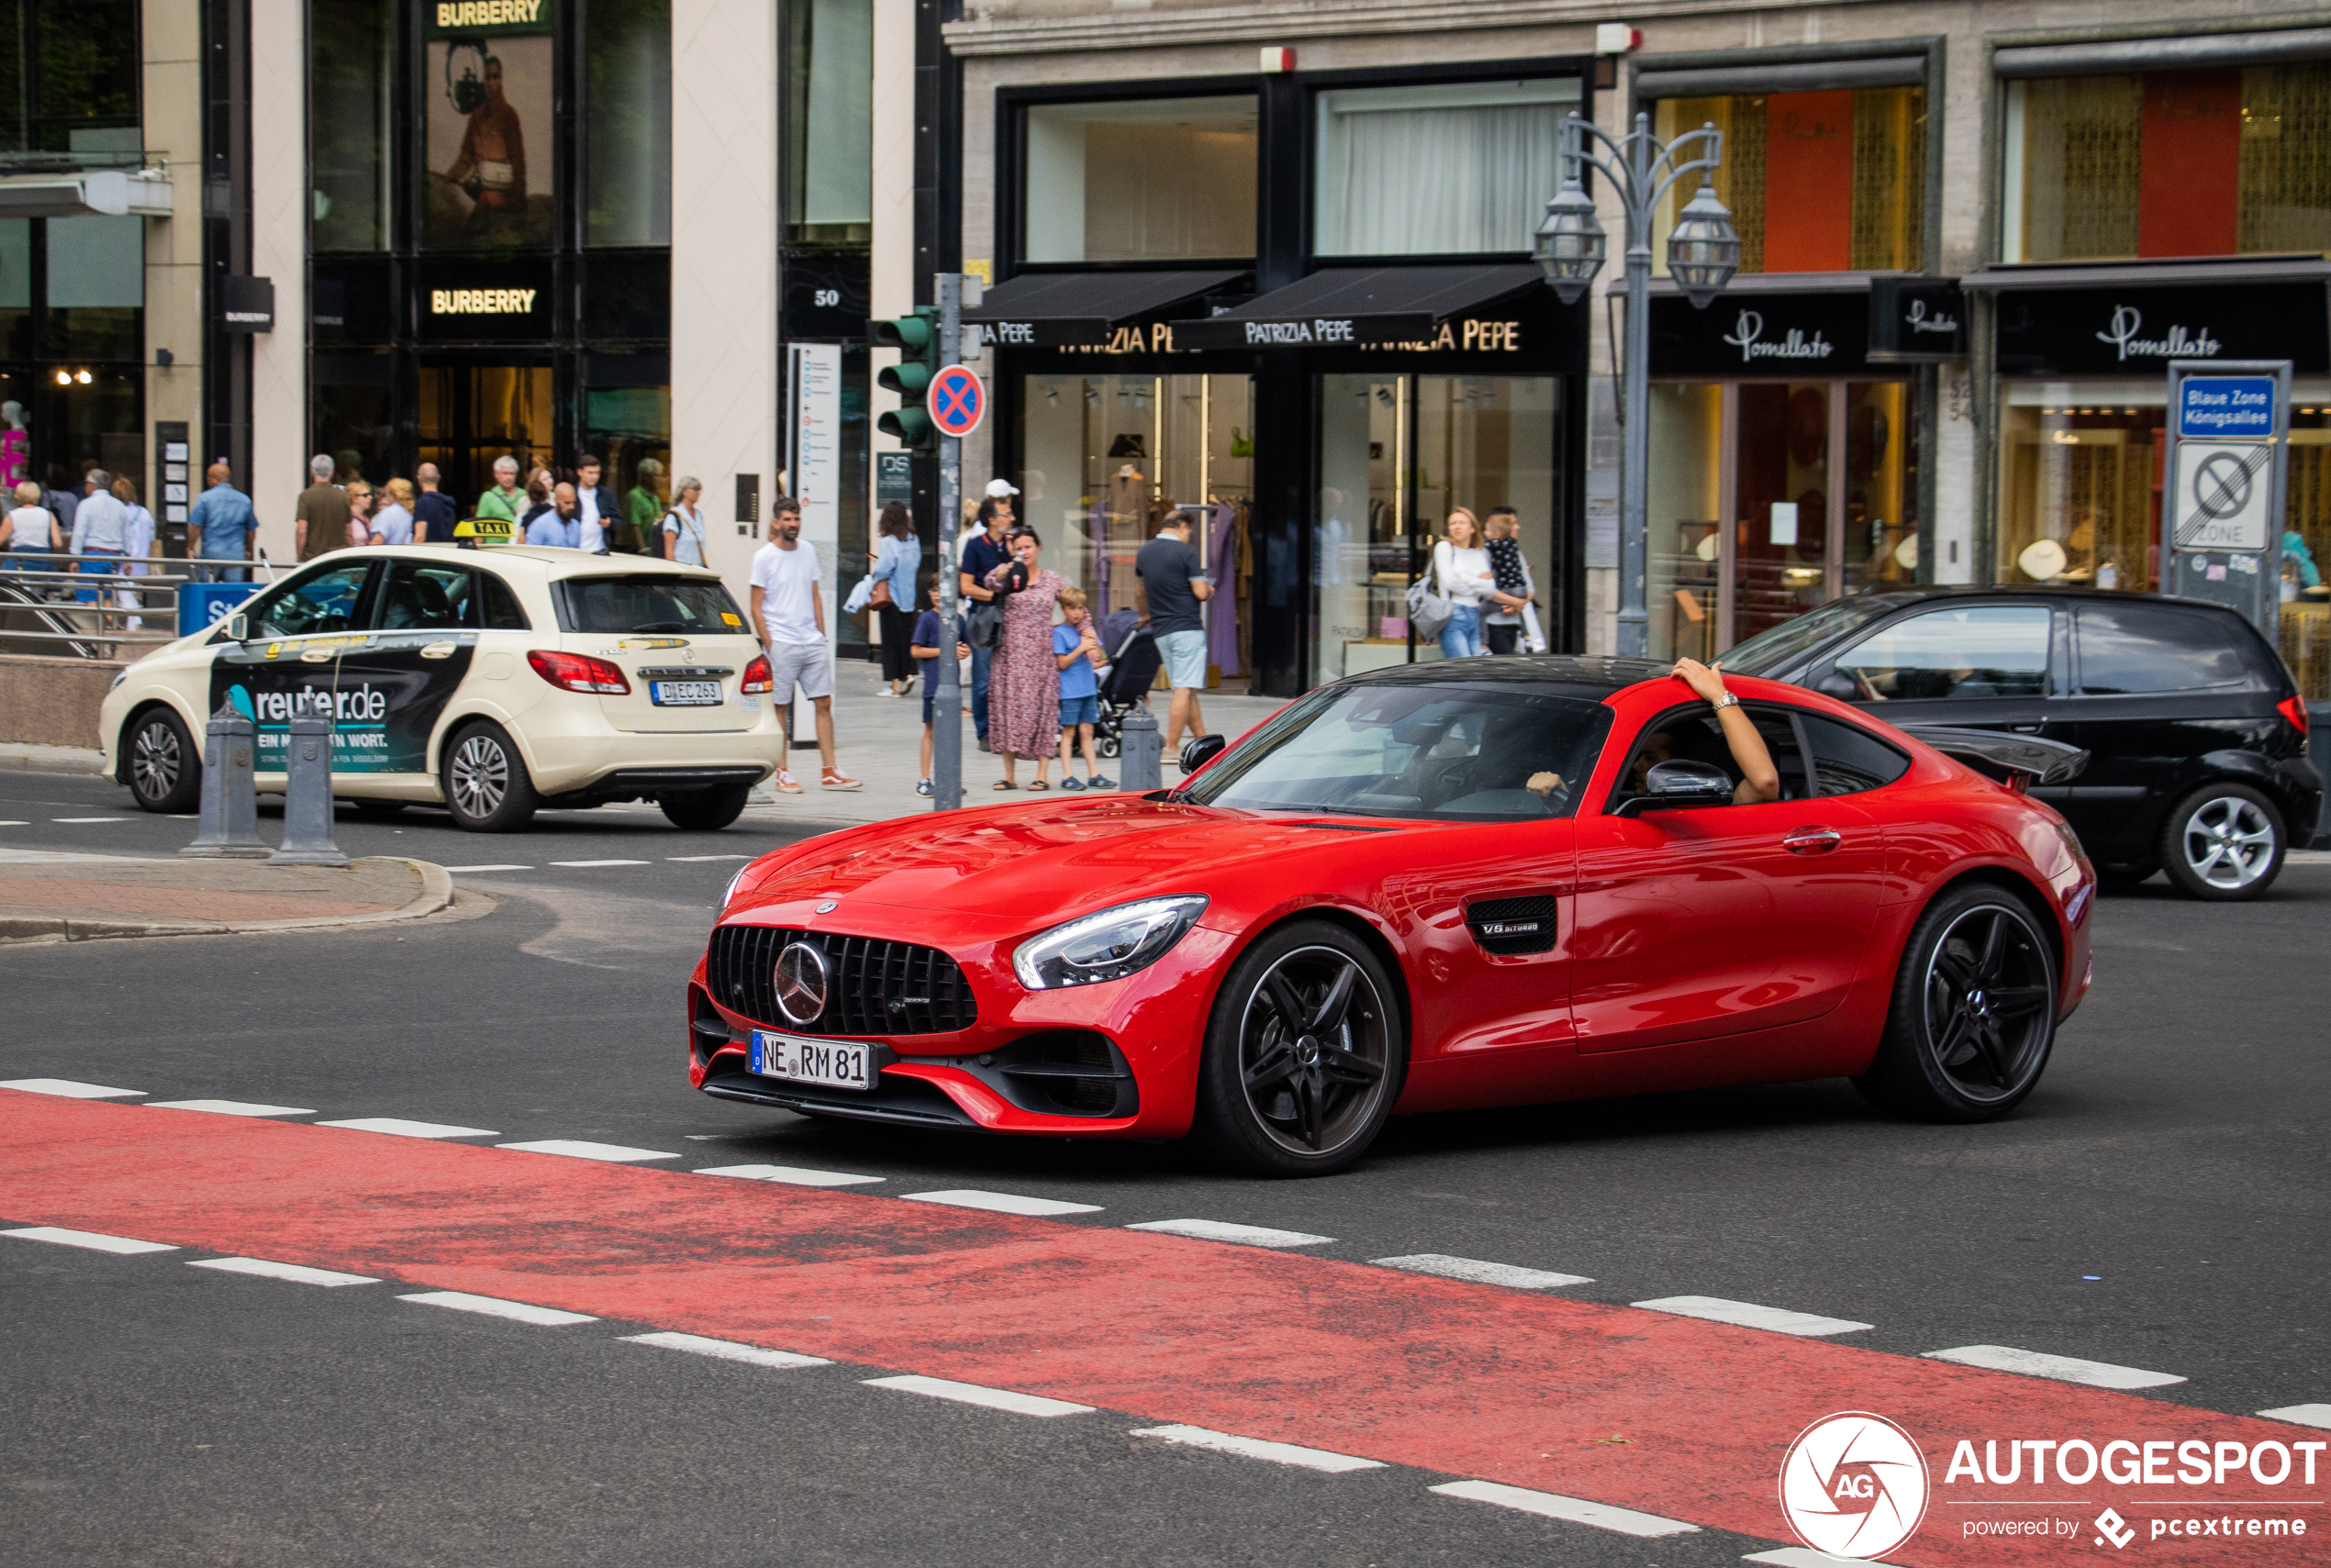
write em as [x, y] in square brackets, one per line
[881, 599]
[987, 624]
[1428, 611]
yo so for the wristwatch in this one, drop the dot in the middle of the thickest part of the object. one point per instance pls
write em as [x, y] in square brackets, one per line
[1726, 701]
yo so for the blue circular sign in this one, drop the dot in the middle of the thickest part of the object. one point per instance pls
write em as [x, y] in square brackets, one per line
[956, 401]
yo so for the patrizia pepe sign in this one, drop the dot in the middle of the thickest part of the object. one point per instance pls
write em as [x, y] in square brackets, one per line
[1761, 334]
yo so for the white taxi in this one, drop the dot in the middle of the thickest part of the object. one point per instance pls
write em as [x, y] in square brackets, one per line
[489, 682]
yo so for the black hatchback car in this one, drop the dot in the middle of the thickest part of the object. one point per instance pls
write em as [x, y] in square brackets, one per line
[2195, 730]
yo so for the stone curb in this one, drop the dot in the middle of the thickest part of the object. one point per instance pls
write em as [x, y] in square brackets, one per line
[73, 761]
[436, 895]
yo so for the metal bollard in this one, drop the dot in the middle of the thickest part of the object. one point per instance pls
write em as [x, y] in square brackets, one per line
[1141, 752]
[308, 794]
[229, 805]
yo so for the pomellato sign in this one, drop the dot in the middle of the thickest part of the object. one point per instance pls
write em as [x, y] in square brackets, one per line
[2121, 330]
[1761, 334]
[2126, 332]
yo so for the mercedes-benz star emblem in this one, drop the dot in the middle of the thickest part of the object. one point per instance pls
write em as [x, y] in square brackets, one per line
[828, 908]
[801, 983]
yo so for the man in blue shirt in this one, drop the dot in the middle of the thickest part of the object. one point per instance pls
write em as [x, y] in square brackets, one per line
[557, 522]
[982, 553]
[220, 526]
[434, 517]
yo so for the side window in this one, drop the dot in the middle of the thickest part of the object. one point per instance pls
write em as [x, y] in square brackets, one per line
[1696, 735]
[1847, 759]
[420, 596]
[502, 610]
[1972, 652]
[2130, 648]
[305, 605]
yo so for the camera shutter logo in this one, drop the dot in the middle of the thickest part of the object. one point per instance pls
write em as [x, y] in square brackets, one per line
[1854, 1485]
[801, 983]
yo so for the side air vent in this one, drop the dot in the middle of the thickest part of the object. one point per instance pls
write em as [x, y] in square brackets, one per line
[1512, 926]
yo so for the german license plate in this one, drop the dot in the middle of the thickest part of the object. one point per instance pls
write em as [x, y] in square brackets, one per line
[684, 693]
[835, 1063]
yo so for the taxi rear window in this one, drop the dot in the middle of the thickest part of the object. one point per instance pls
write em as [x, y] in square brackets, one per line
[647, 601]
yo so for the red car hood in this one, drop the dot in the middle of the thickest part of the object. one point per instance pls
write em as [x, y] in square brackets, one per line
[1026, 865]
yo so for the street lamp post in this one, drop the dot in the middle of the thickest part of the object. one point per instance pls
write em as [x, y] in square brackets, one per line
[1703, 252]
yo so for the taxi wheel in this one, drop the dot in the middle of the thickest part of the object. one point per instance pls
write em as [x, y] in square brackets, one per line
[707, 810]
[378, 808]
[487, 787]
[165, 765]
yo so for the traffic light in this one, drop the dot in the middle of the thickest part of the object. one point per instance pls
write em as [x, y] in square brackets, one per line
[916, 338]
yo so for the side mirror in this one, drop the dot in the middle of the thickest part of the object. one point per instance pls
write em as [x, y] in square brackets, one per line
[1679, 784]
[1839, 684]
[239, 626]
[1197, 753]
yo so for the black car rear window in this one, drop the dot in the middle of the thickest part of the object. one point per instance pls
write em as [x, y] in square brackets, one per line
[2129, 650]
[649, 602]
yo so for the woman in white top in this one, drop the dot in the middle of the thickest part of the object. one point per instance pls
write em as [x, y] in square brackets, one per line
[683, 528]
[27, 531]
[1461, 572]
[392, 524]
[138, 542]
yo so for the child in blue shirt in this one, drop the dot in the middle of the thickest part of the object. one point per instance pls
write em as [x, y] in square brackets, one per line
[924, 647]
[1076, 649]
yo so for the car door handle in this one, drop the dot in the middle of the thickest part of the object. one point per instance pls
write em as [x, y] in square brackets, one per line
[1812, 840]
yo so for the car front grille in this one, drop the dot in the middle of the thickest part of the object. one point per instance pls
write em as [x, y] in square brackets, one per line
[873, 987]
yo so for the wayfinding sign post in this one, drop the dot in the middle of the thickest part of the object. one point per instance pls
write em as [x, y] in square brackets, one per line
[2223, 485]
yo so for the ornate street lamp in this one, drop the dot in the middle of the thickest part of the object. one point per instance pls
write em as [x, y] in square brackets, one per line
[1703, 251]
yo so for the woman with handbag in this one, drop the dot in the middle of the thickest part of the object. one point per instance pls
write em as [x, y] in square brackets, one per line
[887, 589]
[1461, 572]
[1024, 695]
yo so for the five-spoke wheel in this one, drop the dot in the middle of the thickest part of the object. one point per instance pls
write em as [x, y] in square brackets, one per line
[2223, 843]
[1974, 1011]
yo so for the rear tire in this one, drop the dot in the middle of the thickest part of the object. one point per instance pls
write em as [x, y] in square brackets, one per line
[1973, 1020]
[378, 808]
[487, 788]
[2121, 878]
[1305, 1053]
[165, 765]
[707, 810]
[2224, 843]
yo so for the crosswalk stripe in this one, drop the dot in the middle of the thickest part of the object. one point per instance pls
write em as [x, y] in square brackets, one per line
[1258, 1448]
[227, 1108]
[496, 867]
[1241, 1235]
[94, 1241]
[1578, 1510]
[2305, 1414]
[1002, 1202]
[2064, 1369]
[1748, 1315]
[791, 1175]
[599, 862]
[397, 1127]
[268, 1269]
[724, 1349]
[494, 1306]
[1479, 1273]
[69, 1089]
[579, 1149]
[980, 1395]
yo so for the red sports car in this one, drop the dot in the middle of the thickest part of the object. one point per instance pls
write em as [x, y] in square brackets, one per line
[1447, 885]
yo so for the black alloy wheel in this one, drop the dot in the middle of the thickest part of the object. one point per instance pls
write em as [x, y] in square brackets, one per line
[1974, 1011]
[487, 787]
[165, 765]
[2222, 843]
[707, 810]
[1305, 1054]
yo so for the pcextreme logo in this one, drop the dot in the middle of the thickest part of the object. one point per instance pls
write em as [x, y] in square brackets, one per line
[1854, 1485]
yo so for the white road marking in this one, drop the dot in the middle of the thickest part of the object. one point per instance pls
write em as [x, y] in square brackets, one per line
[494, 1306]
[792, 1176]
[726, 1350]
[228, 1107]
[13, 824]
[295, 1273]
[490, 868]
[89, 819]
[1798, 1557]
[576, 1148]
[1258, 1448]
[96, 1241]
[68, 1088]
[1578, 1510]
[1479, 1273]
[688, 860]
[1748, 1315]
[1002, 1202]
[2305, 1414]
[1243, 1235]
[2064, 1369]
[599, 862]
[397, 1127]
[975, 1394]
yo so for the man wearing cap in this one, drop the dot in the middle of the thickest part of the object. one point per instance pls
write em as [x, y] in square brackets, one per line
[981, 551]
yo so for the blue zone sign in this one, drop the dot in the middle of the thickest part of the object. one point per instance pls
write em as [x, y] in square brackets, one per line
[2223, 407]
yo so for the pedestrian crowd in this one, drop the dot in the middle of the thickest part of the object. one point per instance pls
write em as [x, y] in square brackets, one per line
[1480, 596]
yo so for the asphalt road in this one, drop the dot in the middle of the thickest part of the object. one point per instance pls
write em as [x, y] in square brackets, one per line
[2161, 1203]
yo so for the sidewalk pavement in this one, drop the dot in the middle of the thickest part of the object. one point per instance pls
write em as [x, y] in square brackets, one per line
[48, 898]
[20, 757]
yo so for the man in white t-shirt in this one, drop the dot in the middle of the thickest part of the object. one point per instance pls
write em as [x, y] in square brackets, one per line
[790, 618]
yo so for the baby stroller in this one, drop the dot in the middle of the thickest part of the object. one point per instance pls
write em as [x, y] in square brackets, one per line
[1133, 660]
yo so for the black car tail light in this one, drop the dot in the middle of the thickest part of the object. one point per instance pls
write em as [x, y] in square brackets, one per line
[1512, 926]
[2295, 710]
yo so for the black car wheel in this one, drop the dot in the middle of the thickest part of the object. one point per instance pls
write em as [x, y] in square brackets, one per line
[1304, 1055]
[165, 765]
[1974, 1011]
[2121, 878]
[2223, 843]
[486, 786]
[707, 810]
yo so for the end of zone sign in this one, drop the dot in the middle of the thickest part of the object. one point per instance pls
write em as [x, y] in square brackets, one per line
[2225, 407]
[956, 401]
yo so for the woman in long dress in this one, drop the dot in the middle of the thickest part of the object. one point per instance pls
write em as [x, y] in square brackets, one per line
[1023, 683]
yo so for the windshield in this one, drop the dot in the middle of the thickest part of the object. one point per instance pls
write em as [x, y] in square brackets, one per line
[1780, 646]
[1448, 753]
[648, 601]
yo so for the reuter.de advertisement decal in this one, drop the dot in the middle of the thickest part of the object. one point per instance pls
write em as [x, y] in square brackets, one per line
[2185, 1486]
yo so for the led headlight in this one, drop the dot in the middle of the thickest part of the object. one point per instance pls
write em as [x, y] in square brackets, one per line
[1107, 946]
[731, 895]
[118, 676]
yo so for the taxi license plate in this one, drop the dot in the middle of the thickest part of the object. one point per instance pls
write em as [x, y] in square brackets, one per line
[684, 693]
[836, 1064]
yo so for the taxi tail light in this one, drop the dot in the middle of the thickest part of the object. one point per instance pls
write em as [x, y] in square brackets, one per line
[757, 677]
[579, 673]
[2295, 710]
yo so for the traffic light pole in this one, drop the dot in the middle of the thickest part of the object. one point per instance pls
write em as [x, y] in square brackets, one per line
[946, 699]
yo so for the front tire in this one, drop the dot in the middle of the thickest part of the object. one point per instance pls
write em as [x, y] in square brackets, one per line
[707, 810]
[1973, 1020]
[487, 788]
[2222, 843]
[378, 808]
[1305, 1053]
[165, 765]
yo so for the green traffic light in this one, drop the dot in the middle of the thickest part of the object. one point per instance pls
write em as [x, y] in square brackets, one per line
[916, 338]
[906, 378]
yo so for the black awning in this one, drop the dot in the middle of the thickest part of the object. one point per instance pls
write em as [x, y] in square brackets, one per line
[1359, 307]
[1080, 310]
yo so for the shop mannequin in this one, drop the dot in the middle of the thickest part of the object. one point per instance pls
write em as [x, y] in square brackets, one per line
[16, 445]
